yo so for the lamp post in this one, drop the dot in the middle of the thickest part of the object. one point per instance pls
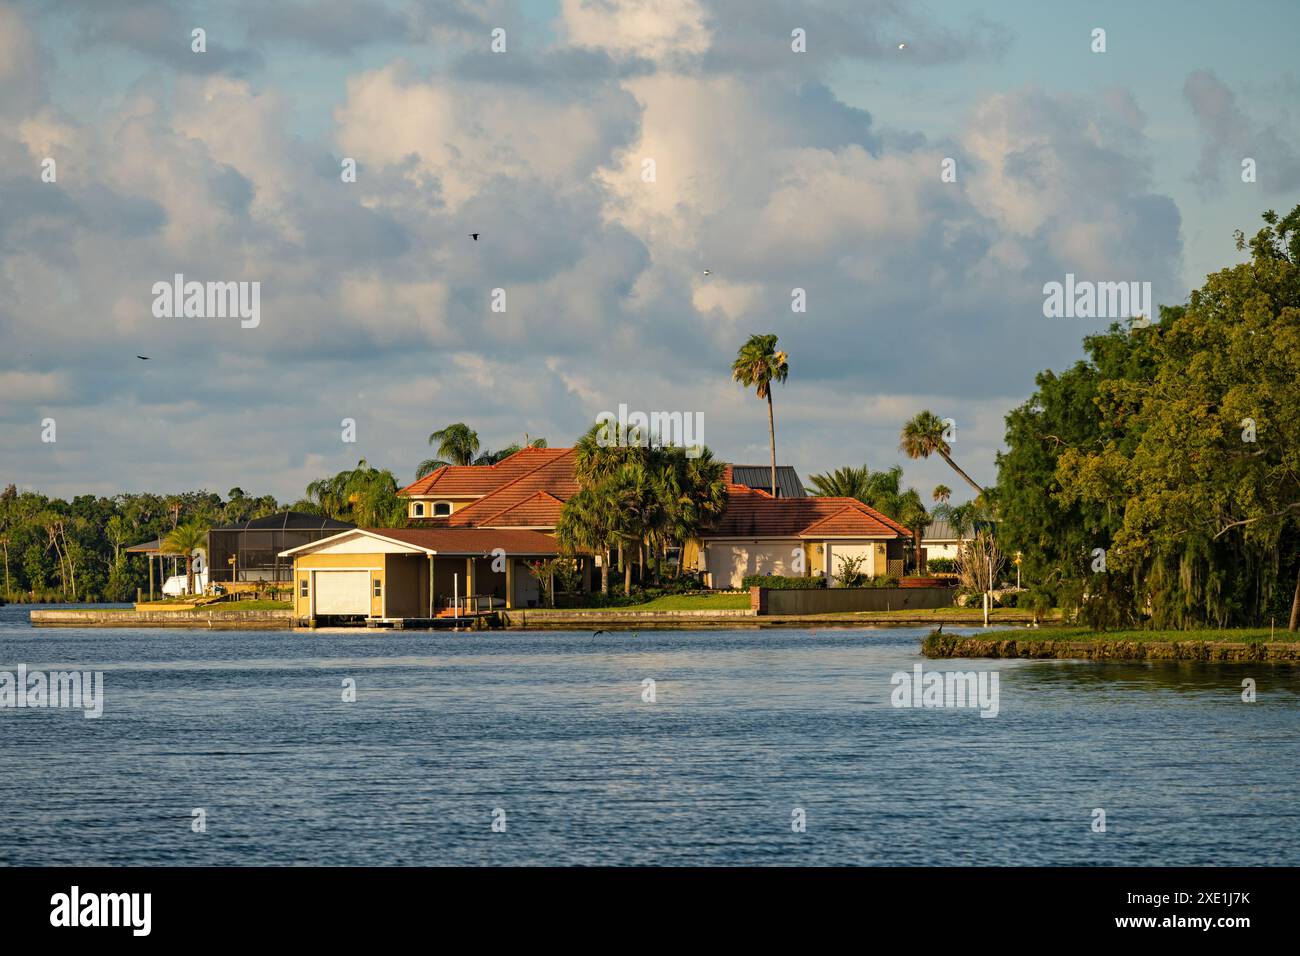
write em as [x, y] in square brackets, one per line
[1019, 555]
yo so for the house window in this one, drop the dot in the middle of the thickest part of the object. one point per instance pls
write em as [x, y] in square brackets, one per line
[302, 588]
[417, 509]
[442, 509]
[379, 587]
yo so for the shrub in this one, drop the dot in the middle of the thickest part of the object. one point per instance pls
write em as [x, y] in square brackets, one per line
[941, 566]
[781, 582]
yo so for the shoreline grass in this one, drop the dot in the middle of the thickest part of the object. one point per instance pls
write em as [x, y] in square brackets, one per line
[1245, 635]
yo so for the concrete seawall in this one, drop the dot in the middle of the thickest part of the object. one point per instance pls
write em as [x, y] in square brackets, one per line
[1209, 651]
[240, 620]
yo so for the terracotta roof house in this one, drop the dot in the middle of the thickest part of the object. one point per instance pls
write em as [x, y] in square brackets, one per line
[474, 529]
[759, 534]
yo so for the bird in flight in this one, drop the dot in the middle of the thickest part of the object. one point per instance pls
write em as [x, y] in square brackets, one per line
[143, 358]
[708, 272]
[902, 46]
[474, 236]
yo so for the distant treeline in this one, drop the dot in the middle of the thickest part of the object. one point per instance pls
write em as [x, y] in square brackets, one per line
[55, 550]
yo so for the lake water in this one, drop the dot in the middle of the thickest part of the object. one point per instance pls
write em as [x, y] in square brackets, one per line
[551, 728]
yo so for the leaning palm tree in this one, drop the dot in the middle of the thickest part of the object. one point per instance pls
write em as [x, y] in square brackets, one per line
[758, 364]
[923, 436]
[457, 444]
[184, 540]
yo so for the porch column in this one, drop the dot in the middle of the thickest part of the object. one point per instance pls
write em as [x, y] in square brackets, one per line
[469, 584]
[430, 586]
[510, 583]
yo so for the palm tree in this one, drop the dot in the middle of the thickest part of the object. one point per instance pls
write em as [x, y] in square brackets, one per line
[923, 436]
[457, 444]
[912, 513]
[847, 482]
[758, 364]
[587, 524]
[941, 494]
[184, 539]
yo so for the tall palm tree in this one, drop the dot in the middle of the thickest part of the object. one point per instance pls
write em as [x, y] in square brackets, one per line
[183, 539]
[923, 436]
[941, 494]
[457, 444]
[758, 364]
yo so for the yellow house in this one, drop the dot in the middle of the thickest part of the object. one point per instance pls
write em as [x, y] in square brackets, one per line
[394, 574]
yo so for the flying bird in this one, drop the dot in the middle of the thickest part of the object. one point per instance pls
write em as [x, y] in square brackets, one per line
[708, 272]
[902, 46]
[474, 236]
[143, 358]
[598, 633]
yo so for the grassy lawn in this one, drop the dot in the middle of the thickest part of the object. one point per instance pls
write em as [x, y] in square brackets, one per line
[671, 602]
[1249, 635]
[250, 606]
[975, 614]
[212, 606]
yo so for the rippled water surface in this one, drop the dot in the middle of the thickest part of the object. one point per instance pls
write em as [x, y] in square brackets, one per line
[551, 728]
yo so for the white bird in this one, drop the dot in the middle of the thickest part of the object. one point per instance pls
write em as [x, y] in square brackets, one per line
[902, 46]
[708, 272]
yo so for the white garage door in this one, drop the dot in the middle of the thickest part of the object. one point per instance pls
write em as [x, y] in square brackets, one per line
[343, 592]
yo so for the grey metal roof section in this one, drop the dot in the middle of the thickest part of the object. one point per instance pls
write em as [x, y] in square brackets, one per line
[760, 476]
[290, 521]
[939, 529]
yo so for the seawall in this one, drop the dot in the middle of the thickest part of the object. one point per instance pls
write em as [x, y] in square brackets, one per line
[943, 645]
[241, 620]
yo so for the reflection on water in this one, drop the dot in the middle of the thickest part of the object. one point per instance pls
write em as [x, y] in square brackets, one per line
[551, 727]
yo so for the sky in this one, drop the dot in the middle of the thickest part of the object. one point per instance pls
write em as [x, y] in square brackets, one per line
[651, 182]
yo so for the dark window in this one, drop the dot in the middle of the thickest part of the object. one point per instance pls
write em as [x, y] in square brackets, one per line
[302, 588]
[419, 509]
[442, 509]
[379, 588]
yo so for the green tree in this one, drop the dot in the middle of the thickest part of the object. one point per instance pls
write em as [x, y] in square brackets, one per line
[1201, 458]
[758, 364]
[457, 445]
[184, 540]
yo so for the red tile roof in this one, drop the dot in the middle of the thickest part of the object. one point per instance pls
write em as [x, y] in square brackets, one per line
[472, 541]
[554, 477]
[456, 481]
[529, 489]
[542, 510]
[752, 513]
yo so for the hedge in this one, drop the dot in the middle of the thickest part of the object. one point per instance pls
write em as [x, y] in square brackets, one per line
[781, 582]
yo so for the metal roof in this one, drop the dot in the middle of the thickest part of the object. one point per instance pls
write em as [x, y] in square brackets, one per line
[760, 476]
[148, 547]
[289, 521]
